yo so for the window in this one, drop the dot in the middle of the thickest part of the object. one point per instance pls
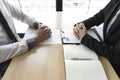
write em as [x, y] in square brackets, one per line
[85, 6]
[35, 5]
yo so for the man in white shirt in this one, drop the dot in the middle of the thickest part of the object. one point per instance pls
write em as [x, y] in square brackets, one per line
[10, 43]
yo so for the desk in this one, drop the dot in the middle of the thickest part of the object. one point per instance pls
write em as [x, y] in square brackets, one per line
[44, 62]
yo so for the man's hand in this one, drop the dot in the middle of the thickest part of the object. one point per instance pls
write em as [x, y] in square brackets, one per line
[43, 33]
[80, 30]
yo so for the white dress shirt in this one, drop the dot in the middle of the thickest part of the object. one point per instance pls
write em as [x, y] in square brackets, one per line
[8, 48]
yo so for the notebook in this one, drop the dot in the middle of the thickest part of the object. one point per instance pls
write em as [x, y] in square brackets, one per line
[84, 70]
[81, 63]
[78, 52]
[54, 39]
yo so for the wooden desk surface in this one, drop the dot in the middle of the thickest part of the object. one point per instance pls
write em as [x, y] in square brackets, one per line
[111, 74]
[44, 62]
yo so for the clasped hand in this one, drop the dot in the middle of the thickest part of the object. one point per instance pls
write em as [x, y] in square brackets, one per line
[43, 33]
[79, 30]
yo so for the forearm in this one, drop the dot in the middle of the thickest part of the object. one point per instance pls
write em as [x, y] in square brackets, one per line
[96, 20]
[11, 50]
[19, 15]
[102, 49]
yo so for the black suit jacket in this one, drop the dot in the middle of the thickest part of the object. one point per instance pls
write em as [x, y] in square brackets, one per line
[110, 47]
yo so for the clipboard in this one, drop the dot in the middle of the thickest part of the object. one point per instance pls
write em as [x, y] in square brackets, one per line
[68, 37]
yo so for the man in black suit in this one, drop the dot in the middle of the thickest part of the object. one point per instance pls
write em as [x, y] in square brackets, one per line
[110, 47]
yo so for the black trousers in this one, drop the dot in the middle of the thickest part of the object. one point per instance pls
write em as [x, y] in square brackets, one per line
[3, 67]
[116, 68]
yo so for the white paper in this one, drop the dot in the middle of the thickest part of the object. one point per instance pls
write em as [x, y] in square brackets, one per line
[54, 39]
[84, 70]
[68, 36]
[78, 52]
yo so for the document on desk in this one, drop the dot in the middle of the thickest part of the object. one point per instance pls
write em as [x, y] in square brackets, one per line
[84, 70]
[68, 36]
[78, 52]
[54, 39]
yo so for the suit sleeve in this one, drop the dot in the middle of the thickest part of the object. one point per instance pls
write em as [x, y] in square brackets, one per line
[109, 51]
[97, 19]
[102, 49]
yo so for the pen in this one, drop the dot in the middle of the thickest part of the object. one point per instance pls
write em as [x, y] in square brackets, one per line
[80, 59]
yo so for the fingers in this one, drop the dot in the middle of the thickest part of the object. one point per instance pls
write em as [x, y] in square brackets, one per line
[42, 27]
[78, 27]
[79, 30]
[45, 30]
[48, 32]
[76, 35]
[84, 29]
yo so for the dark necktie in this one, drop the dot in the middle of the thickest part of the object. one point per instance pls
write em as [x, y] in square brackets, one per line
[6, 27]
